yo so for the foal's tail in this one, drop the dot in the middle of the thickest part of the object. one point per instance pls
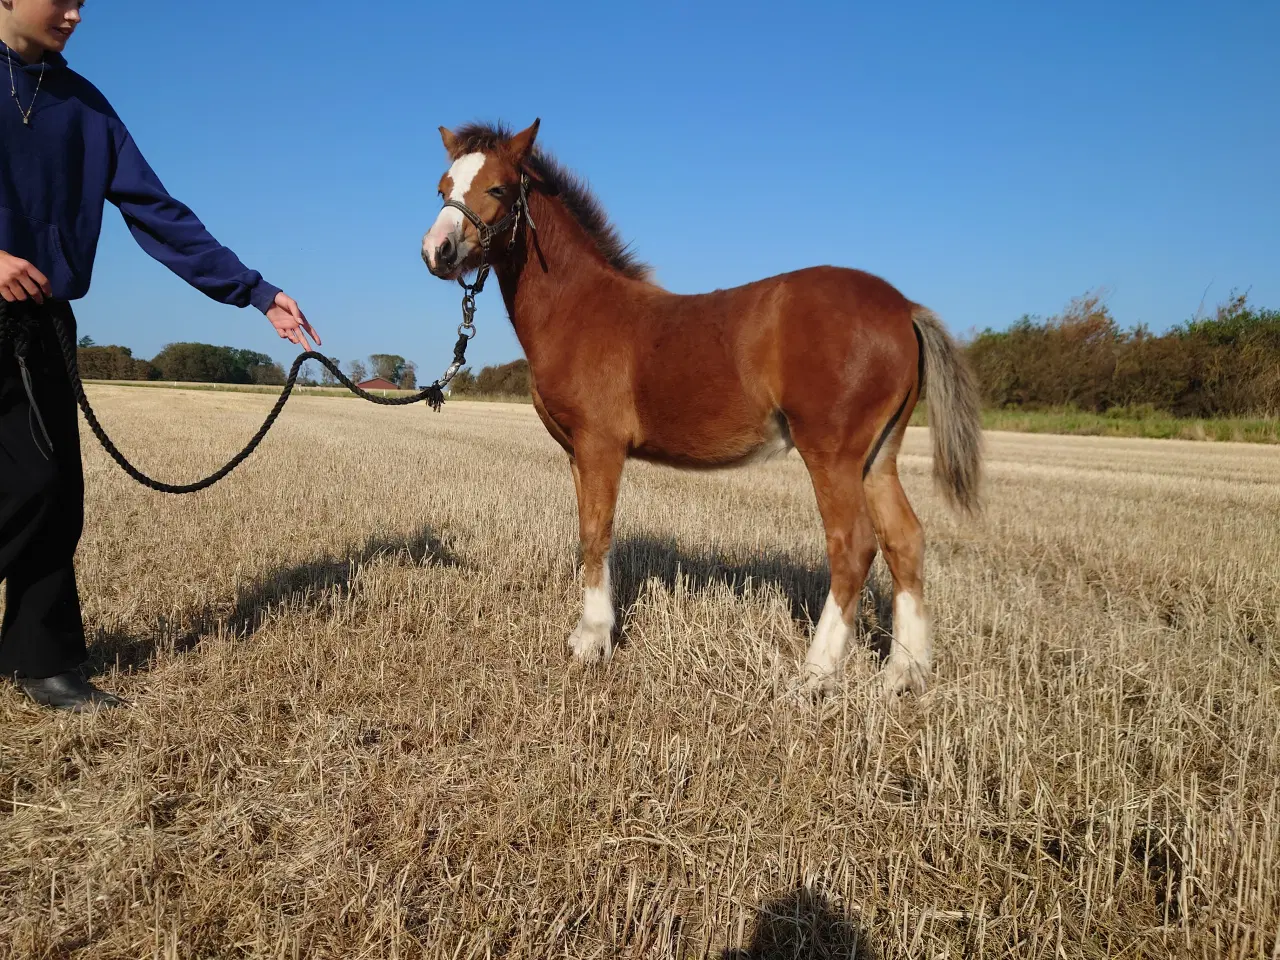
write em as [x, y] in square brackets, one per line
[954, 415]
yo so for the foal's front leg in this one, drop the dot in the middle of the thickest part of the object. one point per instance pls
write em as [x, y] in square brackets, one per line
[597, 471]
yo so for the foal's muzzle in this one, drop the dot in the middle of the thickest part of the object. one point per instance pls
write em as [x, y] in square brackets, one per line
[444, 260]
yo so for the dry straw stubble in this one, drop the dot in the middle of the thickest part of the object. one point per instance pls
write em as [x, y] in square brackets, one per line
[356, 732]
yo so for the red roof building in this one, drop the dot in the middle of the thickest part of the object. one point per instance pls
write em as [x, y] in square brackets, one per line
[377, 383]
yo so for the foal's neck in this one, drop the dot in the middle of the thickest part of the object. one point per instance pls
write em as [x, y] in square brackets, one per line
[553, 271]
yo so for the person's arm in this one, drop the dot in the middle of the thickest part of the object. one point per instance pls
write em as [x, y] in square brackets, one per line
[171, 233]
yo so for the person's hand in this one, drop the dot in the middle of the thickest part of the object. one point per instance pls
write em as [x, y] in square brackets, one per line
[286, 316]
[19, 280]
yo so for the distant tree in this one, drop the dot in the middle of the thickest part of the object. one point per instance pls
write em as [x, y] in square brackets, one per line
[257, 368]
[102, 363]
[205, 363]
[357, 371]
[113, 363]
[196, 362]
[409, 376]
[307, 375]
[389, 366]
[326, 375]
[464, 382]
[86, 341]
[1233, 359]
[271, 374]
[508, 379]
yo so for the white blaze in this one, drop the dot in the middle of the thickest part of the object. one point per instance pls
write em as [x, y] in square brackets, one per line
[449, 221]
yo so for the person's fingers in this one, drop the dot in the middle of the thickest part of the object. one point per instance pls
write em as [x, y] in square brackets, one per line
[31, 287]
[302, 327]
[306, 325]
[8, 294]
[290, 327]
[40, 279]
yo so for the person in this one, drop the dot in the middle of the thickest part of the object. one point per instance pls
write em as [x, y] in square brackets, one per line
[63, 153]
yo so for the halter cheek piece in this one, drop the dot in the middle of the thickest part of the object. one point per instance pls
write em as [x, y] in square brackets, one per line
[487, 233]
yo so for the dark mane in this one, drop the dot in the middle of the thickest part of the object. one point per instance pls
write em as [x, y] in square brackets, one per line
[571, 190]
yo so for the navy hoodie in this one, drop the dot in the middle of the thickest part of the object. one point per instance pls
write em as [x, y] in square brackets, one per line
[57, 173]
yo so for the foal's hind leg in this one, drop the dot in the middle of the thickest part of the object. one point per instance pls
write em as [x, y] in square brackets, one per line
[851, 547]
[902, 540]
[597, 471]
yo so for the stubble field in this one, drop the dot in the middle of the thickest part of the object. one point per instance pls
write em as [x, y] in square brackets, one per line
[355, 731]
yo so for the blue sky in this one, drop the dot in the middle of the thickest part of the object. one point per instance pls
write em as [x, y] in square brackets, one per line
[989, 159]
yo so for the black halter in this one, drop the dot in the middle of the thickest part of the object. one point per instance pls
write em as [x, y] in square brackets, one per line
[488, 232]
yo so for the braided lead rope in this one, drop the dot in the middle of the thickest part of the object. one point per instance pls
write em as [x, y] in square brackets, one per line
[433, 395]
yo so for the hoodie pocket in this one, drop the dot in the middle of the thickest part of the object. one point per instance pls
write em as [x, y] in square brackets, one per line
[39, 243]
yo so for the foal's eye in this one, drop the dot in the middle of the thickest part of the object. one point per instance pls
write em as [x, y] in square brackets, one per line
[497, 192]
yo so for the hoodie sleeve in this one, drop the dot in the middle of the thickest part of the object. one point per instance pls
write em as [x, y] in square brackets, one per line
[171, 233]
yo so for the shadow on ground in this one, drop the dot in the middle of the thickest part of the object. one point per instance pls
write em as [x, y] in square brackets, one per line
[134, 651]
[805, 925]
[639, 559]
[635, 561]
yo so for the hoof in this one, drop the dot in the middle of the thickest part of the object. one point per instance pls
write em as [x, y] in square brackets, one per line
[591, 644]
[813, 683]
[904, 676]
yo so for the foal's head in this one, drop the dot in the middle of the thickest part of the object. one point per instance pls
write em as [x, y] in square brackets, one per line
[486, 182]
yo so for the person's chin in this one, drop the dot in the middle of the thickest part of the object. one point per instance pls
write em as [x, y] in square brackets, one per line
[57, 41]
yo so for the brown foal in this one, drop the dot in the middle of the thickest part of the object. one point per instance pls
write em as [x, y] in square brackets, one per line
[826, 360]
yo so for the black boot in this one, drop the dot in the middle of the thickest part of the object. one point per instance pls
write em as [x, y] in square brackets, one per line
[68, 691]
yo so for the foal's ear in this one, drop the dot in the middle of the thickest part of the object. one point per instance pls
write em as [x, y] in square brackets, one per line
[449, 140]
[520, 145]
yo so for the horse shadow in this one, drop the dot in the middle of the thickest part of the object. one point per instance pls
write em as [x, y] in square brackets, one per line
[639, 559]
[132, 651]
[804, 925]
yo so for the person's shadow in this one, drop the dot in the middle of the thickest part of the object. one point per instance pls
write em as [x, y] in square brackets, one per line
[804, 925]
[134, 651]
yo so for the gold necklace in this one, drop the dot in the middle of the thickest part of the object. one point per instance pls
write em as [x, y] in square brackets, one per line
[13, 86]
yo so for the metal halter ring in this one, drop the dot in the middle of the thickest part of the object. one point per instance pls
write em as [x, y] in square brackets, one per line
[466, 330]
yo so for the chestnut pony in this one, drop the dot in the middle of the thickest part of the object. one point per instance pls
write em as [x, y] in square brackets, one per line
[826, 360]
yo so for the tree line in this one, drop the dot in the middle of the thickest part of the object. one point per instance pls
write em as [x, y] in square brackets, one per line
[503, 380]
[206, 363]
[1222, 365]
[1225, 364]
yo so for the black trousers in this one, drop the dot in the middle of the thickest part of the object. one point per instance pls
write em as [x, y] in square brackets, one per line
[41, 498]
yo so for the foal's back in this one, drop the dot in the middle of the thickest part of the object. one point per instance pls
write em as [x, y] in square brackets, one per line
[719, 377]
